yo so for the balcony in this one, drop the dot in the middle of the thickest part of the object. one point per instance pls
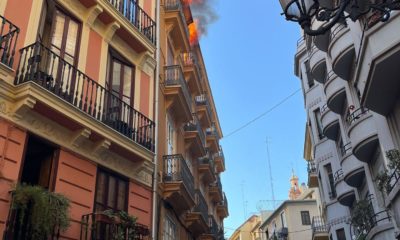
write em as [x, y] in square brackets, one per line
[215, 190]
[212, 137]
[206, 169]
[197, 219]
[203, 109]
[319, 229]
[353, 169]
[219, 160]
[318, 64]
[321, 41]
[195, 137]
[50, 73]
[222, 208]
[8, 41]
[177, 93]
[100, 226]
[363, 134]
[135, 26]
[341, 50]
[178, 184]
[345, 194]
[176, 21]
[335, 90]
[330, 123]
[312, 174]
[192, 71]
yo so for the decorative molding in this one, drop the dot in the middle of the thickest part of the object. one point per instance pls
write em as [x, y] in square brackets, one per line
[325, 157]
[80, 136]
[148, 64]
[314, 102]
[110, 31]
[92, 14]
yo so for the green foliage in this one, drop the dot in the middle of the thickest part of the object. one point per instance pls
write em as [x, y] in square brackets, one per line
[47, 210]
[383, 177]
[124, 222]
[361, 218]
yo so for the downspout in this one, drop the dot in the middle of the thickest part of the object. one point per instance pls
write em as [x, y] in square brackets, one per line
[156, 103]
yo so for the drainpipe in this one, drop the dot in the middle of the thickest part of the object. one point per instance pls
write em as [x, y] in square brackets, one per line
[156, 103]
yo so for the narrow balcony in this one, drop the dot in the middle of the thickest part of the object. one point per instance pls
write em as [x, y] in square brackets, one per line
[212, 137]
[178, 184]
[203, 109]
[176, 20]
[214, 230]
[318, 64]
[312, 174]
[394, 180]
[345, 194]
[341, 50]
[134, 25]
[330, 123]
[8, 41]
[100, 226]
[41, 66]
[197, 219]
[353, 169]
[215, 190]
[319, 229]
[192, 71]
[206, 169]
[363, 133]
[222, 208]
[321, 41]
[195, 137]
[219, 160]
[177, 93]
[335, 91]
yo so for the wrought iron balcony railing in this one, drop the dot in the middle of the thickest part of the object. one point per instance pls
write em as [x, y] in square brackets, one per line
[131, 10]
[338, 175]
[96, 226]
[202, 100]
[175, 77]
[194, 125]
[8, 41]
[394, 179]
[224, 202]
[217, 184]
[346, 148]
[355, 115]
[201, 205]
[48, 70]
[176, 5]
[176, 169]
[318, 225]
[212, 131]
[311, 167]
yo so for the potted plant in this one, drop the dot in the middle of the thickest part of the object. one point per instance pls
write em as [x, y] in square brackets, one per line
[124, 224]
[383, 178]
[38, 212]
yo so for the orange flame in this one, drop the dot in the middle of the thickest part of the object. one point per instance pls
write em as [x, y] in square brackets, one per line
[194, 33]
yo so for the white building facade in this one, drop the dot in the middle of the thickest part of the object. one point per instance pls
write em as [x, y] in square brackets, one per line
[350, 78]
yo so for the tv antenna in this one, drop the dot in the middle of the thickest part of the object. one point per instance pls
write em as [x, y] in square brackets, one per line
[270, 173]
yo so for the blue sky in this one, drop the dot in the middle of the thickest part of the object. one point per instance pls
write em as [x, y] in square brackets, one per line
[249, 55]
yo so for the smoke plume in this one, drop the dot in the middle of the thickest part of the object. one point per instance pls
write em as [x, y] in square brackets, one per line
[204, 14]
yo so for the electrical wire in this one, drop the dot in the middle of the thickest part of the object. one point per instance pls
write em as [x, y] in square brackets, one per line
[262, 114]
[308, 229]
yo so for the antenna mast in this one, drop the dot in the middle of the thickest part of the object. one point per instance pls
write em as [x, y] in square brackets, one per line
[270, 174]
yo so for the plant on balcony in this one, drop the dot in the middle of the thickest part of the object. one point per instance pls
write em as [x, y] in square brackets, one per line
[125, 224]
[43, 211]
[361, 217]
[383, 177]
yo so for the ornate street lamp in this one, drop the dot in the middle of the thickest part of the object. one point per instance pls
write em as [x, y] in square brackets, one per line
[302, 11]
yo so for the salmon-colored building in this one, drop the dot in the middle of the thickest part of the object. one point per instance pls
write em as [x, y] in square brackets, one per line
[77, 105]
[192, 204]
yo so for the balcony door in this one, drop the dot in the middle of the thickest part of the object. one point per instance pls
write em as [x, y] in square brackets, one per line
[121, 80]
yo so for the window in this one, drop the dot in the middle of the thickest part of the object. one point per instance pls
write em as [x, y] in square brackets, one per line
[111, 192]
[305, 218]
[310, 78]
[340, 235]
[169, 229]
[318, 122]
[331, 181]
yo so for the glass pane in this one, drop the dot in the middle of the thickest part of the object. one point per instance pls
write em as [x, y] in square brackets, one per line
[121, 195]
[116, 78]
[58, 30]
[70, 46]
[100, 191]
[127, 89]
[111, 192]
